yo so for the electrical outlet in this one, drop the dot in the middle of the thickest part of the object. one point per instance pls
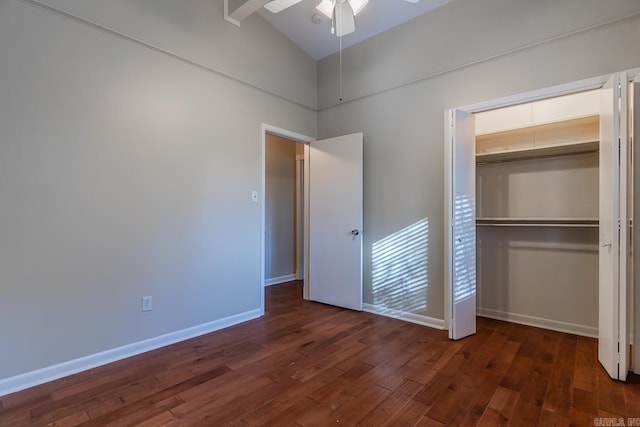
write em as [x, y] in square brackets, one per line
[146, 303]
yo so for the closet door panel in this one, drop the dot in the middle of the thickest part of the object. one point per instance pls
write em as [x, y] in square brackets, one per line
[462, 292]
[609, 297]
[623, 221]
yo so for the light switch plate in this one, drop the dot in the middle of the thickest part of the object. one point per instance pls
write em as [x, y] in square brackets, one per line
[146, 303]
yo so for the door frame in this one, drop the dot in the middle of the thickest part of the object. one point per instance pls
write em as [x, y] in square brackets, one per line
[300, 215]
[633, 293]
[506, 101]
[295, 137]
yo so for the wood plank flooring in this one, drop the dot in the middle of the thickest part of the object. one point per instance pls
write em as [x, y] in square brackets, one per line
[309, 364]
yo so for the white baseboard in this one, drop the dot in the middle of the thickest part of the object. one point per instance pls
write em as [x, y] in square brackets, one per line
[404, 315]
[50, 373]
[281, 279]
[554, 325]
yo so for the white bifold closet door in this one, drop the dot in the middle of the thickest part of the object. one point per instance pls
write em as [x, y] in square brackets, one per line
[461, 216]
[460, 248]
[612, 333]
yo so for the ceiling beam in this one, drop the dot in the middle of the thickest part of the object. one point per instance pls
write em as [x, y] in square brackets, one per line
[235, 11]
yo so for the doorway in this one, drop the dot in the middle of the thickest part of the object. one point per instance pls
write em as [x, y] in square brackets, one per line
[284, 210]
[614, 280]
[298, 232]
[332, 219]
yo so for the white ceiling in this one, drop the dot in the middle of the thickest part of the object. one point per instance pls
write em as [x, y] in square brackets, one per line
[317, 40]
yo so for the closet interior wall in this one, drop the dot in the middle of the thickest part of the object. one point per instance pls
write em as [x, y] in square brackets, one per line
[537, 213]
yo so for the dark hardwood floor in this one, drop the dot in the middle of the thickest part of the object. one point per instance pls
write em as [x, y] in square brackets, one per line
[309, 364]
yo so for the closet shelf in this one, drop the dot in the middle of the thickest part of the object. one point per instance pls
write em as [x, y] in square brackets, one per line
[542, 151]
[586, 222]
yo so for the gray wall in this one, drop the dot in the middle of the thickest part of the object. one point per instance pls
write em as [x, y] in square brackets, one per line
[555, 187]
[131, 142]
[547, 273]
[255, 53]
[280, 209]
[127, 171]
[397, 85]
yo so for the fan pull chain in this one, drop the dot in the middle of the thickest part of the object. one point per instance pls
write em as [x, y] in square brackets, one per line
[340, 72]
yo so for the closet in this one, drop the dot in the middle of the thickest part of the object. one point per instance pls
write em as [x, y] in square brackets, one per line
[538, 214]
[537, 179]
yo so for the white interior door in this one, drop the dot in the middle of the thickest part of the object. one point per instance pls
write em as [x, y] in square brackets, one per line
[462, 224]
[335, 221]
[612, 339]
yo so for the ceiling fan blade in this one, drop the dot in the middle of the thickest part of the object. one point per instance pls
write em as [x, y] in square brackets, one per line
[345, 24]
[276, 6]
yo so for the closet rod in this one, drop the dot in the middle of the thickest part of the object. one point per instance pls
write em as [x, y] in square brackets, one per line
[536, 224]
[479, 160]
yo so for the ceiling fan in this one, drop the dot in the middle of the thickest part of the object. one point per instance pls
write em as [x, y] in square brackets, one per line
[341, 12]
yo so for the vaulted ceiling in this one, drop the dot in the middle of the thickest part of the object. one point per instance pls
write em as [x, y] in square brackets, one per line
[300, 21]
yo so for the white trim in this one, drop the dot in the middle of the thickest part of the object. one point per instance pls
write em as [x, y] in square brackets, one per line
[539, 322]
[537, 95]
[544, 93]
[300, 211]
[634, 290]
[274, 130]
[404, 315]
[50, 373]
[263, 209]
[623, 224]
[307, 216]
[281, 279]
[226, 14]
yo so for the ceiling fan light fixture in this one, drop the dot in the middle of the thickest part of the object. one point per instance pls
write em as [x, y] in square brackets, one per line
[326, 7]
[358, 5]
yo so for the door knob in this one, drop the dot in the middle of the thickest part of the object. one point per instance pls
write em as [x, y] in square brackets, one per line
[604, 245]
[355, 232]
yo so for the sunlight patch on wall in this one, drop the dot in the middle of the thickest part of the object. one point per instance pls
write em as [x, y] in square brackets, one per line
[399, 269]
[464, 248]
